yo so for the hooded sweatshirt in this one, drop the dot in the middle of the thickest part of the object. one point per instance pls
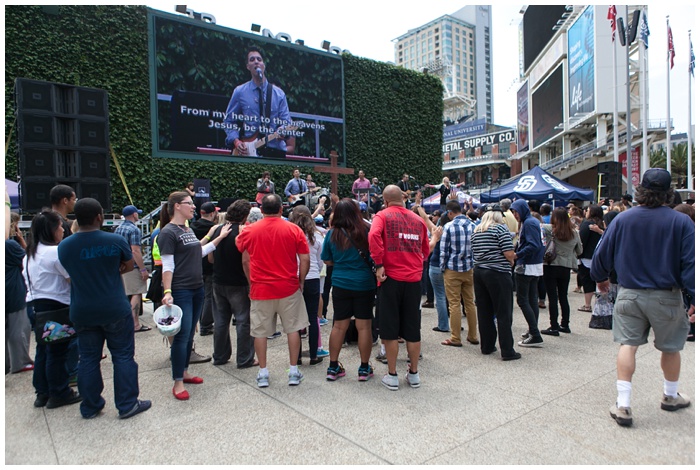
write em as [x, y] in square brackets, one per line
[530, 249]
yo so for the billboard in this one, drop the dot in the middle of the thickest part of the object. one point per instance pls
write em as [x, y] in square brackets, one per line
[523, 118]
[486, 140]
[463, 129]
[225, 95]
[581, 42]
[548, 108]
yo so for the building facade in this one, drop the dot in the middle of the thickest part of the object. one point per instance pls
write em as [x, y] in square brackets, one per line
[457, 48]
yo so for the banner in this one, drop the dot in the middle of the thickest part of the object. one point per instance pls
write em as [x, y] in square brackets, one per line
[464, 129]
[635, 166]
[523, 129]
[581, 65]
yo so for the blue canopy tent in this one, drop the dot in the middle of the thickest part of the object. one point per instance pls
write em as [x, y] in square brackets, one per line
[539, 185]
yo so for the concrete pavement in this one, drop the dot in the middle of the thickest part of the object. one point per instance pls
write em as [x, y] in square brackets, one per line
[550, 407]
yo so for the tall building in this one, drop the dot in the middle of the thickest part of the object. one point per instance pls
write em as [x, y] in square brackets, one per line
[457, 48]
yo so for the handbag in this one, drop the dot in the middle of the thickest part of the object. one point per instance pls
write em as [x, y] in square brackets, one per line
[54, 326]
[550, 252]
[369, 261]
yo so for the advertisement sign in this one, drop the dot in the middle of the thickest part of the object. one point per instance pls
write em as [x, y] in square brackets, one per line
[463, 129]
[523, 142]
[480, 141]
[635, 166]
[225, 95]
[581, 65]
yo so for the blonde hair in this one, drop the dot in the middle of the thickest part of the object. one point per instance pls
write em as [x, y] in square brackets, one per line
[488, 219]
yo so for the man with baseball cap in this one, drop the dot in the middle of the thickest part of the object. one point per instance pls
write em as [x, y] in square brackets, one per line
[650, 286]
[134, 281]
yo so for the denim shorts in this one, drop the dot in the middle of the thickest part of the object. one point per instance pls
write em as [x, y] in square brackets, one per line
[637, 311]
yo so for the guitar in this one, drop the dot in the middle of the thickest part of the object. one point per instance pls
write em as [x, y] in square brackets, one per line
[295, 198]
[253, 143]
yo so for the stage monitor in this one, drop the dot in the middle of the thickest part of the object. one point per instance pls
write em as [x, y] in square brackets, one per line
[206, 101]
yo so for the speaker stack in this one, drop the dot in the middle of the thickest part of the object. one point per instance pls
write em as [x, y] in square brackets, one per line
[611, 180]
[63, 138]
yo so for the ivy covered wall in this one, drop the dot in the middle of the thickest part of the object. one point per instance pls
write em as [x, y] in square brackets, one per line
[393, 116]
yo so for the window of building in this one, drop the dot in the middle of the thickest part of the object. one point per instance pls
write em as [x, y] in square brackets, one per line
[437, 30]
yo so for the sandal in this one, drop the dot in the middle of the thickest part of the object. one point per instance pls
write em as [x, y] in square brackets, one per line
[585, 309]
[143, 328]
[449, 342]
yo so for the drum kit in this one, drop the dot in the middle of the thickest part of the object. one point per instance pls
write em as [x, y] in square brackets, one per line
[312, 200]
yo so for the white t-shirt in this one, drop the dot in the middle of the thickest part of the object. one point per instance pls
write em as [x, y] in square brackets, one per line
[49, 280]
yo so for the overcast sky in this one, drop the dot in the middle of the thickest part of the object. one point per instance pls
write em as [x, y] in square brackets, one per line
[367, 28]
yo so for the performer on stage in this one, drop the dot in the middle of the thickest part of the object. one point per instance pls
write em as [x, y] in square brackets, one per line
[296, 188]
[258, 109]
[265, 186]
[360, 184]
[407, 188]
[445, 189]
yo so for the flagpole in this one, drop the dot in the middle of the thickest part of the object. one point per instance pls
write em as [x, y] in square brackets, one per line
[644, 111]
[690, 116]
[628, 117]
[668, 99]
[616, 143]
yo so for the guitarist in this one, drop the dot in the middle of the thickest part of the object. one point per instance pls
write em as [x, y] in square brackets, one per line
[296, 188]
[255, 104]
[407, 188]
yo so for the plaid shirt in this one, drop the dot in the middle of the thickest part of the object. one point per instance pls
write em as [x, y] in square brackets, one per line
[456, 245]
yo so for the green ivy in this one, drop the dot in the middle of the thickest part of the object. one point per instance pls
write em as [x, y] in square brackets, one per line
[393, 115]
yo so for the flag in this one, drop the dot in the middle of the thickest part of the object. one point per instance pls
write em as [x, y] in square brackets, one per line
[691, 68]
[644, 30]
[612, 16]
[671, 50]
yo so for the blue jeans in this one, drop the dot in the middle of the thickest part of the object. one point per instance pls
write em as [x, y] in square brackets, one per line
[191, 302]
[120, 341]
[438, 283]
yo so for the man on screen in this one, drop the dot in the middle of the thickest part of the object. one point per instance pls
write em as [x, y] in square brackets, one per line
[258, 110]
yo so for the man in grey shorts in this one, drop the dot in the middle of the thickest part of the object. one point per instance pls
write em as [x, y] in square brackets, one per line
[650, 286]
[134, 281]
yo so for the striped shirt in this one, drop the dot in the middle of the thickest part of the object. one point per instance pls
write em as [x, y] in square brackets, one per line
[489, 247]
[456, 245]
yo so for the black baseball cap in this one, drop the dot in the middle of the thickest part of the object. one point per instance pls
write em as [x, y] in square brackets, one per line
[208, 208]
[657, 179]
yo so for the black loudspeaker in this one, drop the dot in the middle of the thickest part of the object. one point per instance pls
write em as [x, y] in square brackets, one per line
[35, 194]
[38, 162]
[63, 138]
[611, 180]
[94, 165]
[37, 129]
[632, 27]
[36, 96]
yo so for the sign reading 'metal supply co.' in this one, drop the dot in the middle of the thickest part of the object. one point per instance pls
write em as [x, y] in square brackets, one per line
[480, 141]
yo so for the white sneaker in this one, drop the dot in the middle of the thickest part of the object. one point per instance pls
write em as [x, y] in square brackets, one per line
[413, 379]
[295, 378]
[263, 380]
[391, 382]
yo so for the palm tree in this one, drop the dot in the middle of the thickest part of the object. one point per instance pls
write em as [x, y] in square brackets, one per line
[679, 162]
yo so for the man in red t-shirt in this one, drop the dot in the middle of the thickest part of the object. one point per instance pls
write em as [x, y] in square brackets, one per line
[398, 243]
[270, 249]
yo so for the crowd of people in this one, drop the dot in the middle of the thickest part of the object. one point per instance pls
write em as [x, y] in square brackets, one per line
[371, 255]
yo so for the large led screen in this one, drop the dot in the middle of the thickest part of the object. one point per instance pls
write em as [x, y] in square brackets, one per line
[221, 94]
[581, 65]
[538, 21]
[548, 108]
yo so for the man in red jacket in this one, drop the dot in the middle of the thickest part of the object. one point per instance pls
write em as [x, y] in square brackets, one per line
[398, 243]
